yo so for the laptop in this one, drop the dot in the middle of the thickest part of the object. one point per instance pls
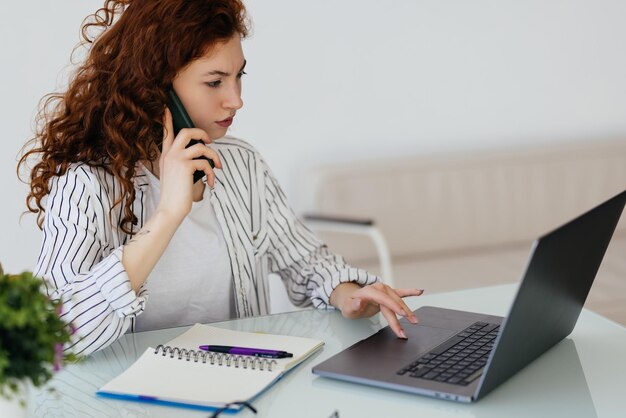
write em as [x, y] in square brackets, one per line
[462, 356]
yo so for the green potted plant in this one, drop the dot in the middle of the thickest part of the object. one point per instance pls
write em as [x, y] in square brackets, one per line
[31, 337]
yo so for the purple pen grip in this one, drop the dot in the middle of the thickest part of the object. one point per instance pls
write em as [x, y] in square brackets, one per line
[256, 352]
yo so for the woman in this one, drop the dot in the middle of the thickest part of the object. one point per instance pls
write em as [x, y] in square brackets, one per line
[130, 243]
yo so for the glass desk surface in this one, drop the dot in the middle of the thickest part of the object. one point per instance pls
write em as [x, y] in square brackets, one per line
[583, 376]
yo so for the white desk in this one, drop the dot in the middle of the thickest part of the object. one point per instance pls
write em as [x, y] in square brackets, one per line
[554, 385]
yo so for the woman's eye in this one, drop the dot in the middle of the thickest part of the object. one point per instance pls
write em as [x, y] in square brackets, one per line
[215, 84]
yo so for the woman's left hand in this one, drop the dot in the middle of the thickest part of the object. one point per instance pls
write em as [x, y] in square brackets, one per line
[355, 301]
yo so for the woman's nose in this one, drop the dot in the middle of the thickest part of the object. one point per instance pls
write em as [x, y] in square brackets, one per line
[233, 99]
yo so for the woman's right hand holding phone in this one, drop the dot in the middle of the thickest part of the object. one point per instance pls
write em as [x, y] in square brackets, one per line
[176, 168]
[177, 165]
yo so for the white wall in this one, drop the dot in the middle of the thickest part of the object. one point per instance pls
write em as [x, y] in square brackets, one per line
[344, 79]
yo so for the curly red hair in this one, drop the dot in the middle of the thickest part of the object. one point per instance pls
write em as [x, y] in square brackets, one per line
[112, 112]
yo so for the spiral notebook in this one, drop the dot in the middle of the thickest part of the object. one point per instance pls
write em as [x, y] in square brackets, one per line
[178, 373]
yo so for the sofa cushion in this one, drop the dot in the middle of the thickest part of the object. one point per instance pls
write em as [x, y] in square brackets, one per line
[465, 201]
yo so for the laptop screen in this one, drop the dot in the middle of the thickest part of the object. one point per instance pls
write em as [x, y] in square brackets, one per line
[561, 269]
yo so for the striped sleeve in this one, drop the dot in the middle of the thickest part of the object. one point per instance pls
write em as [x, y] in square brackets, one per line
[80, 268]
[308, 268]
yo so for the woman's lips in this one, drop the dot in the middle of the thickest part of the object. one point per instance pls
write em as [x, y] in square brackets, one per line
[225, 123]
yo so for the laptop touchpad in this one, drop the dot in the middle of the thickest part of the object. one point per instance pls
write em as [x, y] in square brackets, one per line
[390, 352]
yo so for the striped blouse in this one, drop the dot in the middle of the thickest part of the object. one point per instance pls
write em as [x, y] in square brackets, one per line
[82, 246]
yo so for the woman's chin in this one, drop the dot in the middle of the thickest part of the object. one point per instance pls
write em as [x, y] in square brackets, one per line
[217, 133]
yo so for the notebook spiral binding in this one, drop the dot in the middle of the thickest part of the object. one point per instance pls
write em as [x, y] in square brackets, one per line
[222, 359]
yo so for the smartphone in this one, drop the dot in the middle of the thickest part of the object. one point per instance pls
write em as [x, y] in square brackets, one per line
[180, 120]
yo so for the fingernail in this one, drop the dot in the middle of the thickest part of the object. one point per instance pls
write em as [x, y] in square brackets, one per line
[356, 304]
[420, 290]
[413, 319]
[403, 335]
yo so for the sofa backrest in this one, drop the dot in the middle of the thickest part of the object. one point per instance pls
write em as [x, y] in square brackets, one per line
[451, 202]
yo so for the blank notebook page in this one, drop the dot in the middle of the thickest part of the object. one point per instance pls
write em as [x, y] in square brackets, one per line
[196, 383]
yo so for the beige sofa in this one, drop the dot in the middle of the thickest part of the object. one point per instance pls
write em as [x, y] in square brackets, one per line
[467, 219]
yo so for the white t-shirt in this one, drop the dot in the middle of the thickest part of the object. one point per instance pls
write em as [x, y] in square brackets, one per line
[192, 281]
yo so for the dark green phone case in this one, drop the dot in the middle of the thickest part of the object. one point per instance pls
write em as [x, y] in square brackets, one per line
[180, 120]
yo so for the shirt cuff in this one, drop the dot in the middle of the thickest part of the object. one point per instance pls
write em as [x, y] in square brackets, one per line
[321, 295]
[114, 284]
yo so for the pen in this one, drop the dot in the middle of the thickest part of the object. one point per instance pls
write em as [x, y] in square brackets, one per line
[246, 351]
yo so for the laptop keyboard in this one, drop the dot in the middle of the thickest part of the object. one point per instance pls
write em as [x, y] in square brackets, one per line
[459, 360]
